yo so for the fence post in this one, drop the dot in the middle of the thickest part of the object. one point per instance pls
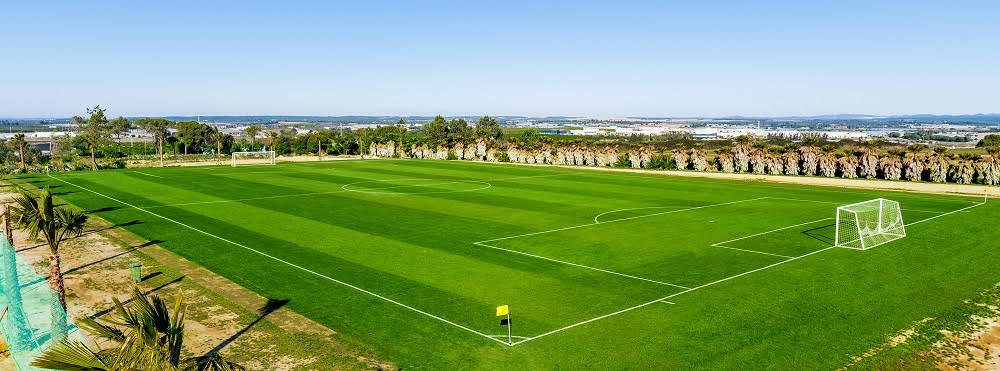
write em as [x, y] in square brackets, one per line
[6, 224]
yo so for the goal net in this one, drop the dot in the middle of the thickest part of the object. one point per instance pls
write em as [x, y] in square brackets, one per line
[253, 158]
[867, 224]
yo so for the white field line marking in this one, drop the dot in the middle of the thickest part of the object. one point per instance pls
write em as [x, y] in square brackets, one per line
[720, 244]
[840, 204]
[148, 174]
[633, 208]
[751, 251]
[719, 281]
[667, 302]
[378, 190]
[483, 244]
[771, 231]
[750, 182]
[580, 265]
[286, 262]
[505, 336]
[670, 296]
[243, 199]
[947, 213]
[622, 219]
[314, 193]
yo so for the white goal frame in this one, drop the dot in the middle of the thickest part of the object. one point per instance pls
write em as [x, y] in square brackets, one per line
[268, 156]
[867, 224]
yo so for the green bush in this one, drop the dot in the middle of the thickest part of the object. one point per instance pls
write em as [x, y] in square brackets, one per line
[502, 157]
[992, 140]
[623, 161]
[452, 155]
[662, 162]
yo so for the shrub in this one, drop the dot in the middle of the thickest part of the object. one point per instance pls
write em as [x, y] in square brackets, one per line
[992, 140]
[452, 155]
[623, 161]
[662, 162]
[502, 157]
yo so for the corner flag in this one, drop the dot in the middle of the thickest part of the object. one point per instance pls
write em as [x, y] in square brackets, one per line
[504, 311]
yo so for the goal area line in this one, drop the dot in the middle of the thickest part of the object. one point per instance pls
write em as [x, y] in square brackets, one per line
[480, 243]
[664, 299]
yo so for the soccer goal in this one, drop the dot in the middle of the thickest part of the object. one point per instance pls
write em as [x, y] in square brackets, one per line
[253, 158]
[867, 224]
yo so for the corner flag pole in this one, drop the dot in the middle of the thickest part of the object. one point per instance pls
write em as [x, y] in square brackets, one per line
[509, 341]
[504, 310]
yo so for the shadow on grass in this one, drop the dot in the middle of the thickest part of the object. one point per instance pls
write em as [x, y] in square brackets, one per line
[271, 306]
[104, 209]
[819, 234]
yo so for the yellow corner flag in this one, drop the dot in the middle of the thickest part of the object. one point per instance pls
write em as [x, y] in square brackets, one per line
[502, 310]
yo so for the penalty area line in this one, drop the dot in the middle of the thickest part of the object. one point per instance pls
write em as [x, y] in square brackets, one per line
[621, 220]
[287, 263]
[660, 300]
[581, 265]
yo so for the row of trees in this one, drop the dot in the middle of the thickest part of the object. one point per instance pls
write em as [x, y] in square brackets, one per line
[811, 157]
[869, 160]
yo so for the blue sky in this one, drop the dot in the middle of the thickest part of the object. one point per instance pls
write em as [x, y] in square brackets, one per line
[680, 59]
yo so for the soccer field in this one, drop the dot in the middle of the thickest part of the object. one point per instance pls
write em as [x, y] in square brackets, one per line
[600, 269]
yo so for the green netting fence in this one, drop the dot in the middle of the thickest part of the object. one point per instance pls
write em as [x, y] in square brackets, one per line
[34, 320]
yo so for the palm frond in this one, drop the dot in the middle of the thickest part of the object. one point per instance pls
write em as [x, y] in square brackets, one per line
[70, 355]
[212, 362]
[97, 329]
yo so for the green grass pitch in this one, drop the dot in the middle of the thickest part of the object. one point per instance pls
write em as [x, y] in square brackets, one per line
[600, 269]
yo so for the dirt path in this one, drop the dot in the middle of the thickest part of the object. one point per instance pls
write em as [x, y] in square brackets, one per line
[220, 315]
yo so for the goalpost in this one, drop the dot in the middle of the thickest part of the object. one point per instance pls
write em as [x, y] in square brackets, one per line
[867, 224]
[253, 158]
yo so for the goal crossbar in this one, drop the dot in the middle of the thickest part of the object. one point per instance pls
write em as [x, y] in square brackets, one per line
[864, 225]
[253, 158]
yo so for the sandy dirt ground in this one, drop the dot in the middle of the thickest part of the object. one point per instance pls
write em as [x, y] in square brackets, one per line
[982, 348]
[227, 317]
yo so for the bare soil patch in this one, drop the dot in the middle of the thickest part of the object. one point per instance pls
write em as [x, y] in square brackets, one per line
[226, 317]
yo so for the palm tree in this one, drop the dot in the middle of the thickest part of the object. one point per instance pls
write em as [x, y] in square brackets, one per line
[808, 152]
[40, 217]
[791, 159]
[939, 165]
[725, 159]
[869, 158]
[218, 137]
[758, 158]
[828, 161]
[914, 162]
[252, 131]
[17, 143]
[146, 337]
[989, 168]
[741, 153]
[680, 157]
[271, 137]
[848, 164]
[773, 160]
[964, 170]
[699, 162]
[892, 165]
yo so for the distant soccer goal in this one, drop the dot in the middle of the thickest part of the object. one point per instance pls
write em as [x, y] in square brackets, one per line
[253, 158]
[867, 224]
